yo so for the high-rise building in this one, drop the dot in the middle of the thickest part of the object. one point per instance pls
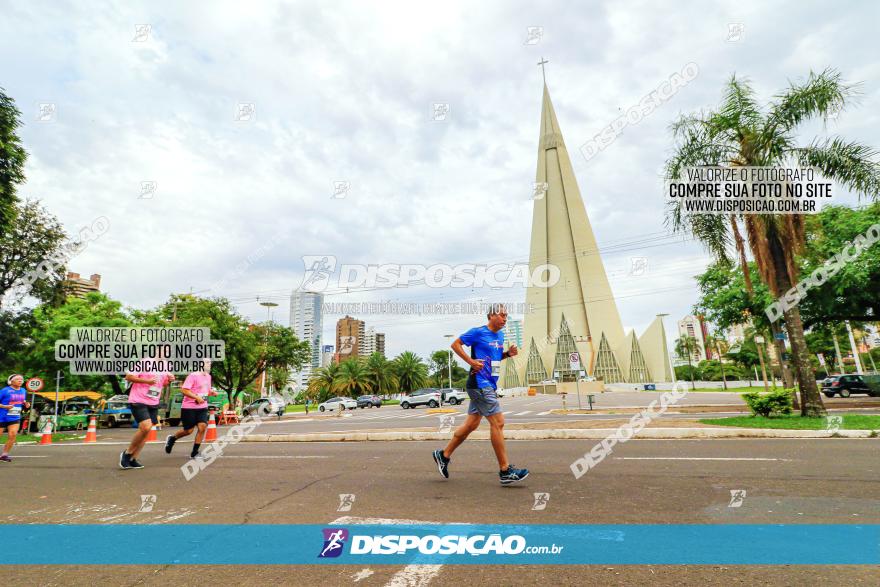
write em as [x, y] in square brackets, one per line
[78, 287]
[350, 335]
[695, 328]
[577, 313]
[326, 355]
[513, 333]
[374, 342]
[307, 322]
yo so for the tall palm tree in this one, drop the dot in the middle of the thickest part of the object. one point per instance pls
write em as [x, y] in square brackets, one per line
[411, 372]
[684, 348]
[715, 342]
[323, 383]
[381, 375]
[741, 133]
[353, 379]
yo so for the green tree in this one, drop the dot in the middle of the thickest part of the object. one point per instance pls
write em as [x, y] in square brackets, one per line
[353, 379]
[51, 323]
[685, 347]
[33, 256]
[741, 133]
[715, 344]
[850, 294]
[380, 373]
[745, 354]
[322, 385]
[12, 160]
[249, 348]
[439, 369]
[411, 372]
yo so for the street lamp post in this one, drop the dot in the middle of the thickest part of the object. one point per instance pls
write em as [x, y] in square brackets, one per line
[449, 362]
[268, 306]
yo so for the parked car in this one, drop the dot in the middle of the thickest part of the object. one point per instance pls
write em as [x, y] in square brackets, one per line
[264, 406]
[845, 385]
[369, 401]
[338, 403]
[114, 412]
[453, 396]
[421, 397]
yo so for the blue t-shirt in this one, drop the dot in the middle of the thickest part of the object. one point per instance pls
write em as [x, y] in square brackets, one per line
[14, 397]
[488, 347]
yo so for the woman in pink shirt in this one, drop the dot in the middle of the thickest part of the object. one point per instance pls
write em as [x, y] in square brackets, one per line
[194, 409]
[143, 399]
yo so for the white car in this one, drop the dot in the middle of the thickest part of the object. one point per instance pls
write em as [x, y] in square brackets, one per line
[453, 396]
[421, 397]
[338, 403]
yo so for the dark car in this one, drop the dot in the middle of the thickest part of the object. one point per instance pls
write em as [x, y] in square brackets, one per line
[845, 385]
[369, 401]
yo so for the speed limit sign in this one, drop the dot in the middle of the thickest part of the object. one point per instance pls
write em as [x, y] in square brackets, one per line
[34, 384]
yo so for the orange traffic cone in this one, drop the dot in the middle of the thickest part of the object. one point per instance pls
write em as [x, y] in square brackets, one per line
[211, 433]
[152, 436]
[46, 438]
[92, 432]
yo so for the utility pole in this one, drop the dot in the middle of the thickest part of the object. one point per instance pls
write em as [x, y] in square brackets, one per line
[268, 306]
[870, 356]
[759, 342]
[852, 344]
[837, 352]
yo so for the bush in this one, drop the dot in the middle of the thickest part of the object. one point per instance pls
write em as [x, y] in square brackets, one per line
[768, 405]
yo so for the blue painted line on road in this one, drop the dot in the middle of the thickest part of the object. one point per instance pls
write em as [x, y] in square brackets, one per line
[449, 544]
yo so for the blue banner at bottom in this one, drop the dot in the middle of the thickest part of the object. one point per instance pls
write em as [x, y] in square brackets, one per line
[448, 544]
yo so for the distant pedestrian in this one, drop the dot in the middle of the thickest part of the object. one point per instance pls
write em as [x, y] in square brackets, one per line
[12, 400]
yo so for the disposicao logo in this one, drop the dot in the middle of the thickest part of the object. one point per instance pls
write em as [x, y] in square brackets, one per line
[334, 542]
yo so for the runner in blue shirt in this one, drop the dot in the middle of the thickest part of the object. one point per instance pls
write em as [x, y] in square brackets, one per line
[12, 400]
[487, 352]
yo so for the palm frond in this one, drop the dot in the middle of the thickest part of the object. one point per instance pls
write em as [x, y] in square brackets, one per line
[739, 110]
[852, 164]
[822, 94]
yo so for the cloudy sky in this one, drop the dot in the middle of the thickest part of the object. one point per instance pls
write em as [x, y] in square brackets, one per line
[148, 94]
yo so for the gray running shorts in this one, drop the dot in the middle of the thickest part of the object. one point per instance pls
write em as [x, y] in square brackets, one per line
[483, 402]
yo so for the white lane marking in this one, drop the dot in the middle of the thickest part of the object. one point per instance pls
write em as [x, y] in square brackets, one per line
[697, 459]
[543, 413]
[410, 575]
[507, 412]
[362, 575]
[29, 457]
[523, 413]
[274, 457]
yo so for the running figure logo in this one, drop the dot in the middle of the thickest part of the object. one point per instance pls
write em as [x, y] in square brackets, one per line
[447, 422]
[147, 503]
[833, 423]
[318, 271]
[334, 541]
[346, 500]
[541, 500]
[737, 497]
[346, 344]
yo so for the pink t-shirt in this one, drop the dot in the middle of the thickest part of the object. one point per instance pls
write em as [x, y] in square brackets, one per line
[200, 384]
[145, 393]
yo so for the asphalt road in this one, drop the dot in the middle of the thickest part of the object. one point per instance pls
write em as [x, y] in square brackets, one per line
[644, 481]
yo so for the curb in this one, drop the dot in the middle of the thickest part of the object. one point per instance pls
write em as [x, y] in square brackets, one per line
[560, 434]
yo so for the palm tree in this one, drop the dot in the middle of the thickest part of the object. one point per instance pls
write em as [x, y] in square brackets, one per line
[380, 373]
[323, 383]
[411, 372]
[715, 342]
[683, 348]
[741, 133]
[353, 379]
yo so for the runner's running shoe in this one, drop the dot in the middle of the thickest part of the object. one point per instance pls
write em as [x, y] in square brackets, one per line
[512, 475]
[169, 443]
[442, 462]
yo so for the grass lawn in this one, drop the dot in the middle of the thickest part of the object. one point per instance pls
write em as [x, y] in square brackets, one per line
[793, 422]
[314, 407]
[729, 389]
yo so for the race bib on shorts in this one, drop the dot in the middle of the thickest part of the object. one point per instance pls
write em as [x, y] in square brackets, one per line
[496, 368]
